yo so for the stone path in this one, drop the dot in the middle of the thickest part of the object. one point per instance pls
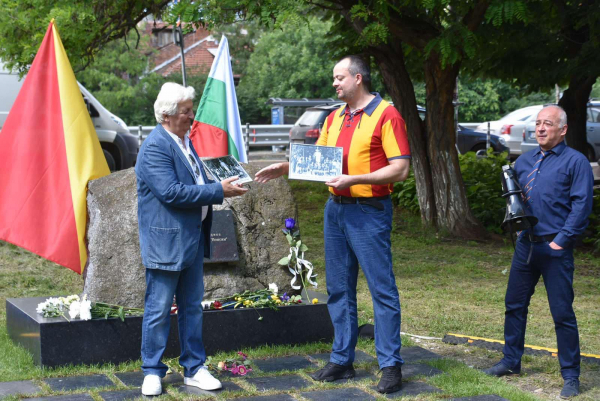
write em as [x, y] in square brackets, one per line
[127, 385]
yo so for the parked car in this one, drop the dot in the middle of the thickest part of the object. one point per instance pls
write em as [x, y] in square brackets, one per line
[593, 133]
[120, 147]
[511, 126]
[307, 128]
[470, 140]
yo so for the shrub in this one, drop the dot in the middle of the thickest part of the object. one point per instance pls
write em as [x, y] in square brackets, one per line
[483, 185]
[594, 227]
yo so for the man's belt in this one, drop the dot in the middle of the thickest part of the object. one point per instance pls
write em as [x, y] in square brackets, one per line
[543, 238]
[348, 200]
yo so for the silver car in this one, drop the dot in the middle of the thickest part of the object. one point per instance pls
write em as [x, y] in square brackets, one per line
[593, 133]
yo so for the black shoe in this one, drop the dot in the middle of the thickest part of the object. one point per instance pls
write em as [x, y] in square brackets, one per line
[570, 389]
[500, 369]
[333, 371]
[391, 380]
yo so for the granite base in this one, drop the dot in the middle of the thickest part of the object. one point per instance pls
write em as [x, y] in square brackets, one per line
[55, 341]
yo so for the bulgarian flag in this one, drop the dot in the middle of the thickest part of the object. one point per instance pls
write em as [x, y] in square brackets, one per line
[49, 151]
[217, 130]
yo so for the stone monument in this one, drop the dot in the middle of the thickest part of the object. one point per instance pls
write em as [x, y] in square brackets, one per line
[115, 273]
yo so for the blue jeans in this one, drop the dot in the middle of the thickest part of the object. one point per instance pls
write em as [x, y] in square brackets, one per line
[188, 287]
[556, 267]
[360, 234]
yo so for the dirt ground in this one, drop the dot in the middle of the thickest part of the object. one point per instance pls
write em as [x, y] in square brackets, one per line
[539, 375]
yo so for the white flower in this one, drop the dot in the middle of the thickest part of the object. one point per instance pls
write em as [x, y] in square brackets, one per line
[85, 312]
[273, 288]
[74, 309]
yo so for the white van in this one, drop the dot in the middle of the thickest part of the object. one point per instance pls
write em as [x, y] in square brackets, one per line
[119, 145]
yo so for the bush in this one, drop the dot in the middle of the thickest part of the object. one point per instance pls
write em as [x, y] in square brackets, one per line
[483, 186]
[594, 227]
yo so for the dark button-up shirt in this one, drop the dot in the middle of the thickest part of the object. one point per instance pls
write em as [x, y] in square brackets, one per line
[562, 193]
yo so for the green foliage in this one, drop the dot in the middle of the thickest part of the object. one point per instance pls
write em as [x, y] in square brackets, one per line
[507, 11]
[118, 78]
[594, 227]
[489, 99]
[85, 26]
[293, 62]
[483, 186]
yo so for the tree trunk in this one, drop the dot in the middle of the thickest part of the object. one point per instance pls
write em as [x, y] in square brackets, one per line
[453, 211]
[574, 101]
[399, 85]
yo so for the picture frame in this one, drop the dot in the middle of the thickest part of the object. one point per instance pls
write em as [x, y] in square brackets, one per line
[315, 163]
[225, 167]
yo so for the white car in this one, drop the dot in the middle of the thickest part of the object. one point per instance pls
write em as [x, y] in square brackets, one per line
[511, 126]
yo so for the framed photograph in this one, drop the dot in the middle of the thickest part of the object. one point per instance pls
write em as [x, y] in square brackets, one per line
[224, 167]
[315, 163]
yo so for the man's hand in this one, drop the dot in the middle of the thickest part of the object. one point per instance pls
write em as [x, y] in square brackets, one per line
[273, 171]
[341, 182]
[555, 247]
[230, 189]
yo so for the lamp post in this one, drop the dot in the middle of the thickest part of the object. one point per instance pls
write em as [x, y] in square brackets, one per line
[178, 39]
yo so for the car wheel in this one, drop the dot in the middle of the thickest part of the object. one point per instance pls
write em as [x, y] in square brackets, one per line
[478, 147]
[110, 160]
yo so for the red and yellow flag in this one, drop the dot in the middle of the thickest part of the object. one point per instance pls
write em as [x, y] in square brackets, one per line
[49, 151]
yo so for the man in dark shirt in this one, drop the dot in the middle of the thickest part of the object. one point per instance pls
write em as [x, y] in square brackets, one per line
[557, 184]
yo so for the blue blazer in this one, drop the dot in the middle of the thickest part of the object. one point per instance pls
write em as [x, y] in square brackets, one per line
[170, 204]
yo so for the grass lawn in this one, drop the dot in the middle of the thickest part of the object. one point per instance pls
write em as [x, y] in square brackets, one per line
[446, 285]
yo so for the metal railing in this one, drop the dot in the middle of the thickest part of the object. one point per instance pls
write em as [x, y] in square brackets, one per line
[255, 135]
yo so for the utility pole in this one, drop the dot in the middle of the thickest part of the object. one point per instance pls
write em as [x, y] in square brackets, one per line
[178, 39]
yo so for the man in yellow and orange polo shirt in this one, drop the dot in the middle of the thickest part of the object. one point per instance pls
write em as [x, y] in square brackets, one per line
[358, 219]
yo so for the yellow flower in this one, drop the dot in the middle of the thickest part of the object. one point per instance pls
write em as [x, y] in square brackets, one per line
[247, 302]
[278, 301]
[315, 301]
[274, 297]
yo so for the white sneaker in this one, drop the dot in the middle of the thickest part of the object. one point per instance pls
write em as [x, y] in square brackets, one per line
[203, 380]
[151, 385]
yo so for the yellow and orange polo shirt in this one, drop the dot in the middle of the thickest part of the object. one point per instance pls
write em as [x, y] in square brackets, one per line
[370, 138]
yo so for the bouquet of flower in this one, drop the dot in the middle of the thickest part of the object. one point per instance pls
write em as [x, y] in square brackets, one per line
[85, 309]
[267, 298]
[238, 365]
[297, 265]
[55, 307]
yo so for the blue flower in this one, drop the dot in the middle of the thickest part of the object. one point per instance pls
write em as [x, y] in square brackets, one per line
[285, 297]
[290, 224]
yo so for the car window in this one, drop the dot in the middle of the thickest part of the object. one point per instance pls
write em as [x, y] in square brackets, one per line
[593, 115]
[520, 115]
[312, 117]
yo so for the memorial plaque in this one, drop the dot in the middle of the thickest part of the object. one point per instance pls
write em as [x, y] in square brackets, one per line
[223, 238]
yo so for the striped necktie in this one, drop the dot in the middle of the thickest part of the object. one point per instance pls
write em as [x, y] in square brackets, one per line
[531, 177]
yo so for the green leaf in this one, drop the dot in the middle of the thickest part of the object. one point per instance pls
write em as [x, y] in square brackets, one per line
[284, 261]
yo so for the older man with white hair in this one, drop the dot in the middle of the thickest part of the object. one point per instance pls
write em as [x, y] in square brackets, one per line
[557, 184]
[174, 217]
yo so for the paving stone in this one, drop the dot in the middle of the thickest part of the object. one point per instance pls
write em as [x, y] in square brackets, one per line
[120, 395]
[416, 369]
[227, 386]
[358, 357]
[413, 354]
[16, 388]
[135, 379]
[346, 394]
[78, 382]
[293, 362]
[412, 389]
[360, 375]
[277, 397]
[70, 397]
[491, 397]
[288, 382]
